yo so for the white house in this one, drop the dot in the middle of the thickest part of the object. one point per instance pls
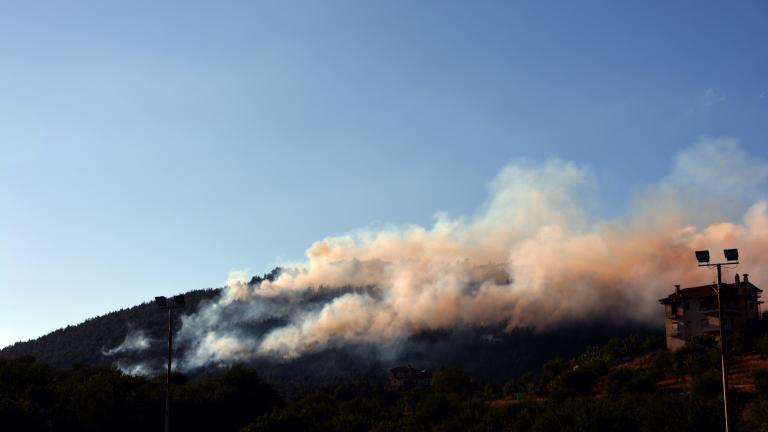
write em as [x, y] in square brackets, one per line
[693, 311]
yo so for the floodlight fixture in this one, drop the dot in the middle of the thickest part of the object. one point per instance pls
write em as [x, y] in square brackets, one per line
[161, 302]
[731, 254]
[179, 301]
[702, 256]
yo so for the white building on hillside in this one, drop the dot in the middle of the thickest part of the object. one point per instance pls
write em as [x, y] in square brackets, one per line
[693, 311]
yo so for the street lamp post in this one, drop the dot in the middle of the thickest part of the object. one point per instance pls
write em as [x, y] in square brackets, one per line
[177, 302]
[732, 258]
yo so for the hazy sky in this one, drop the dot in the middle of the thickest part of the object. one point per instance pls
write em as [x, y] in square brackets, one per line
[149, 148]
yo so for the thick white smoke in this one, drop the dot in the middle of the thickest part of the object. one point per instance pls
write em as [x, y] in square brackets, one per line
[534, 255]
[135, 341]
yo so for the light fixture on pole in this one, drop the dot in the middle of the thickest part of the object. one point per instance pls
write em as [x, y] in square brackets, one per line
[731, 257]
[176, 302]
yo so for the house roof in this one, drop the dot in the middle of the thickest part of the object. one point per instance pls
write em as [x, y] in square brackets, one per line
[702, 291]
[407, 369]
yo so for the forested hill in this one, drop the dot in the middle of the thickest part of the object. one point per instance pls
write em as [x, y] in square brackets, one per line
[479, 350]
[84, 343]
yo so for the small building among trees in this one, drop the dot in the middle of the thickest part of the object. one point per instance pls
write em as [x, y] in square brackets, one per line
[406, 377]
[693, 311]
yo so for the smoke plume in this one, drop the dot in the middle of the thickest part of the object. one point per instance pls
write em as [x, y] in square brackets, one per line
[135, 341]
[535, 254]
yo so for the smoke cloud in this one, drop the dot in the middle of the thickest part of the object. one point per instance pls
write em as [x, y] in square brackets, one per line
[535, 254]
[135, 341]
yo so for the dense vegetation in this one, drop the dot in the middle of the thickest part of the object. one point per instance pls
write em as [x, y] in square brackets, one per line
[612, 387]
[37, 397]
[576, 377]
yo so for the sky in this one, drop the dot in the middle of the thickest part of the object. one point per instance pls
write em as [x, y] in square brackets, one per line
[149, 149]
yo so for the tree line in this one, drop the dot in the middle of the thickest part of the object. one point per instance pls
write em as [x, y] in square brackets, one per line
[605, 388]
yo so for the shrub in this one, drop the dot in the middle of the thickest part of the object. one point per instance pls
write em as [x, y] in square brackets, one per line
[624, 380]
[761, 344]
[708, 384]
[755, 415]
[453, 380]
[760, 378]
[573, 383]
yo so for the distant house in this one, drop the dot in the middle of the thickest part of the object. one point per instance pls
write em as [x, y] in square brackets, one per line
[405, 377]
[693, 311]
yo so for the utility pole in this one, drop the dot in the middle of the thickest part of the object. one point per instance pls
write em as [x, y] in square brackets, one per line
[177, 302]
[168, 372]
[732, 258]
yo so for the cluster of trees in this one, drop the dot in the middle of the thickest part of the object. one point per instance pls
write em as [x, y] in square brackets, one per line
[445, 410]
[612, 387]
[38, 397]
[608, 388]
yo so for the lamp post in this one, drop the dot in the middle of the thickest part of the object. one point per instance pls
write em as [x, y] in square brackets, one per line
[732, 257]
[176, 302]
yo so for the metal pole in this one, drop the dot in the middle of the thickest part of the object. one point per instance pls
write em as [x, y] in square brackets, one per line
[168, 373]
[722, 347]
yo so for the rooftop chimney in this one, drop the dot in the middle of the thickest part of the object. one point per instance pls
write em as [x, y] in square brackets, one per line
[677, 289]
[739, 287]
[746, 278]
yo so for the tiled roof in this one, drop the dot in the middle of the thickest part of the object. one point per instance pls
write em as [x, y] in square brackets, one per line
[703, 291]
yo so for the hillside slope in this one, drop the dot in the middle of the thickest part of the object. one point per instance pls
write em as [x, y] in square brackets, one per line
[491, 353]
[84, 343]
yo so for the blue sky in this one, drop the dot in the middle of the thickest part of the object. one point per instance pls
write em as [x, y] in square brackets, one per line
[150, 148]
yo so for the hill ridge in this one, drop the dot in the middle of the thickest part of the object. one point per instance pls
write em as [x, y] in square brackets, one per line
[84, 342]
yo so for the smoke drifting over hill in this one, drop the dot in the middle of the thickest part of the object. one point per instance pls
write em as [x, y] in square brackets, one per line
[534, 255]
[136, 340]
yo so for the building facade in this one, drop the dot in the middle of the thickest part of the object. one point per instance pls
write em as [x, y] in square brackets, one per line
[693, 311]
